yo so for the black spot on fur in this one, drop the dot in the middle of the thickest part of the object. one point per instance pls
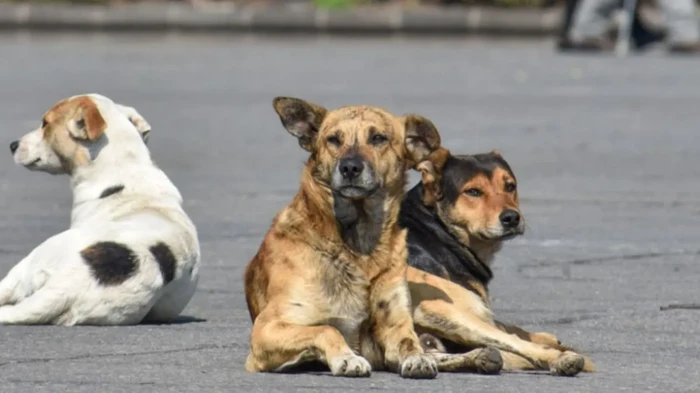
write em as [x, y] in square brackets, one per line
[166, 260]
[112, 190]
[110, 263]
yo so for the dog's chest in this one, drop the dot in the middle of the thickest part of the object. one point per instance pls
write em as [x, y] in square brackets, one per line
[345, 288]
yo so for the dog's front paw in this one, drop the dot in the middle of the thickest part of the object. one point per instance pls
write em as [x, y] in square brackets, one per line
[567, 364]
[418, 366]
[488, 361]
[350, 366]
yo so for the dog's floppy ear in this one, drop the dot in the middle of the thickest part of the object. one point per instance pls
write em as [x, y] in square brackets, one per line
[87, 124]
[301, 118]
[422, 138]
[137, 120]
[431, 172]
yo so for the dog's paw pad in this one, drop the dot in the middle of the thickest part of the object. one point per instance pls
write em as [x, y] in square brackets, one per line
[350, 366]
[568, 364]
[419, 366]
[488, 361]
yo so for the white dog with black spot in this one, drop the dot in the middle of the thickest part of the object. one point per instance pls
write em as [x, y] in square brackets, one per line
[131, 254]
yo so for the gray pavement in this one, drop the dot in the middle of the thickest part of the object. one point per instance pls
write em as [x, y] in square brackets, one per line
[605, 149]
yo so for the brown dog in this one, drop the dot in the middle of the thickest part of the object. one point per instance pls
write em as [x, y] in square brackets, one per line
[457, 218]
[328, 283]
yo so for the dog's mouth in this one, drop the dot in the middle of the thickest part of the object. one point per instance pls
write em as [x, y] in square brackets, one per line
[356, 192]
[31, 164]
[509, 235]
[506, 235]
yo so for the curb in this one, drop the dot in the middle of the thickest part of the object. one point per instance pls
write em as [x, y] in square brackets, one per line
[297, 18]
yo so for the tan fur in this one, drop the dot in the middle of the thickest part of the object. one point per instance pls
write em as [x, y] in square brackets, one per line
[310, 294]
[447, 310]
[57, 130]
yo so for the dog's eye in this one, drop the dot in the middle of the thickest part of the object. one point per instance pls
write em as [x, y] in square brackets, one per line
[475, 192]
[510, 187]
[333, 140]
[378, 139]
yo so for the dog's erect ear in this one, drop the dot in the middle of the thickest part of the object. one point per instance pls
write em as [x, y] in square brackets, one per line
[302, 119]
[431, 171]
[422, 138]
[88, 123]
[137, 120]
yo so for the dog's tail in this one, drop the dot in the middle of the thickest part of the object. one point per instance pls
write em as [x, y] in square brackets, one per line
[42, 307]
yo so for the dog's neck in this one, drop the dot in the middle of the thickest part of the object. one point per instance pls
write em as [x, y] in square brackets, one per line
[475, 257]
[362, 225]
[115, 153]
[118, 168]
[360, 222]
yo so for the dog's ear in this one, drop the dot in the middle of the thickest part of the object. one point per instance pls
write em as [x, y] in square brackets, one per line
[422, 138]
[87, 124]
[301, 118]
[431, 172]
[137, 120]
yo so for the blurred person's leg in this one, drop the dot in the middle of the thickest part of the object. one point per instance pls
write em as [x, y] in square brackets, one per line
[591, 22]
[569, 9]
[682, 25]
[593, 19]
[643, 36]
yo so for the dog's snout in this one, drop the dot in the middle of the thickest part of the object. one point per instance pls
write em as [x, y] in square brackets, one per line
[510, 218]
[13, 146]
[351, 167]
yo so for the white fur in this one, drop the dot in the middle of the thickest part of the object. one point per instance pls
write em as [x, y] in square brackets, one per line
[54, 285]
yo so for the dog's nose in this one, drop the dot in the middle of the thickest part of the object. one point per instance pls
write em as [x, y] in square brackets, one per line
[351, 167]
[510, 218]
[13, 146]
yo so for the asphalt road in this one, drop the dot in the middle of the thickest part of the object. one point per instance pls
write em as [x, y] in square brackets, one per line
[606, 151]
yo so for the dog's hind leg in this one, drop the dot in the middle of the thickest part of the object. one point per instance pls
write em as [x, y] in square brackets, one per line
[485, 360]
[45, 306]
[445, 320]
[541, 338]
[13, 288]
[277, 346]
[474, 361]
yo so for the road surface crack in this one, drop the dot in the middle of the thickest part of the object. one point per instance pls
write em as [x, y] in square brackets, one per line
[598, 260]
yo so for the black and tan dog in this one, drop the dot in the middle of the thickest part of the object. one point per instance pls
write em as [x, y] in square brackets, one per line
[328, 283]
[457, 218]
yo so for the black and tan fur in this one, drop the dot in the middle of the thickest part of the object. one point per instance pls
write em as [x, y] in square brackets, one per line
[458, 217]
[328, 282]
